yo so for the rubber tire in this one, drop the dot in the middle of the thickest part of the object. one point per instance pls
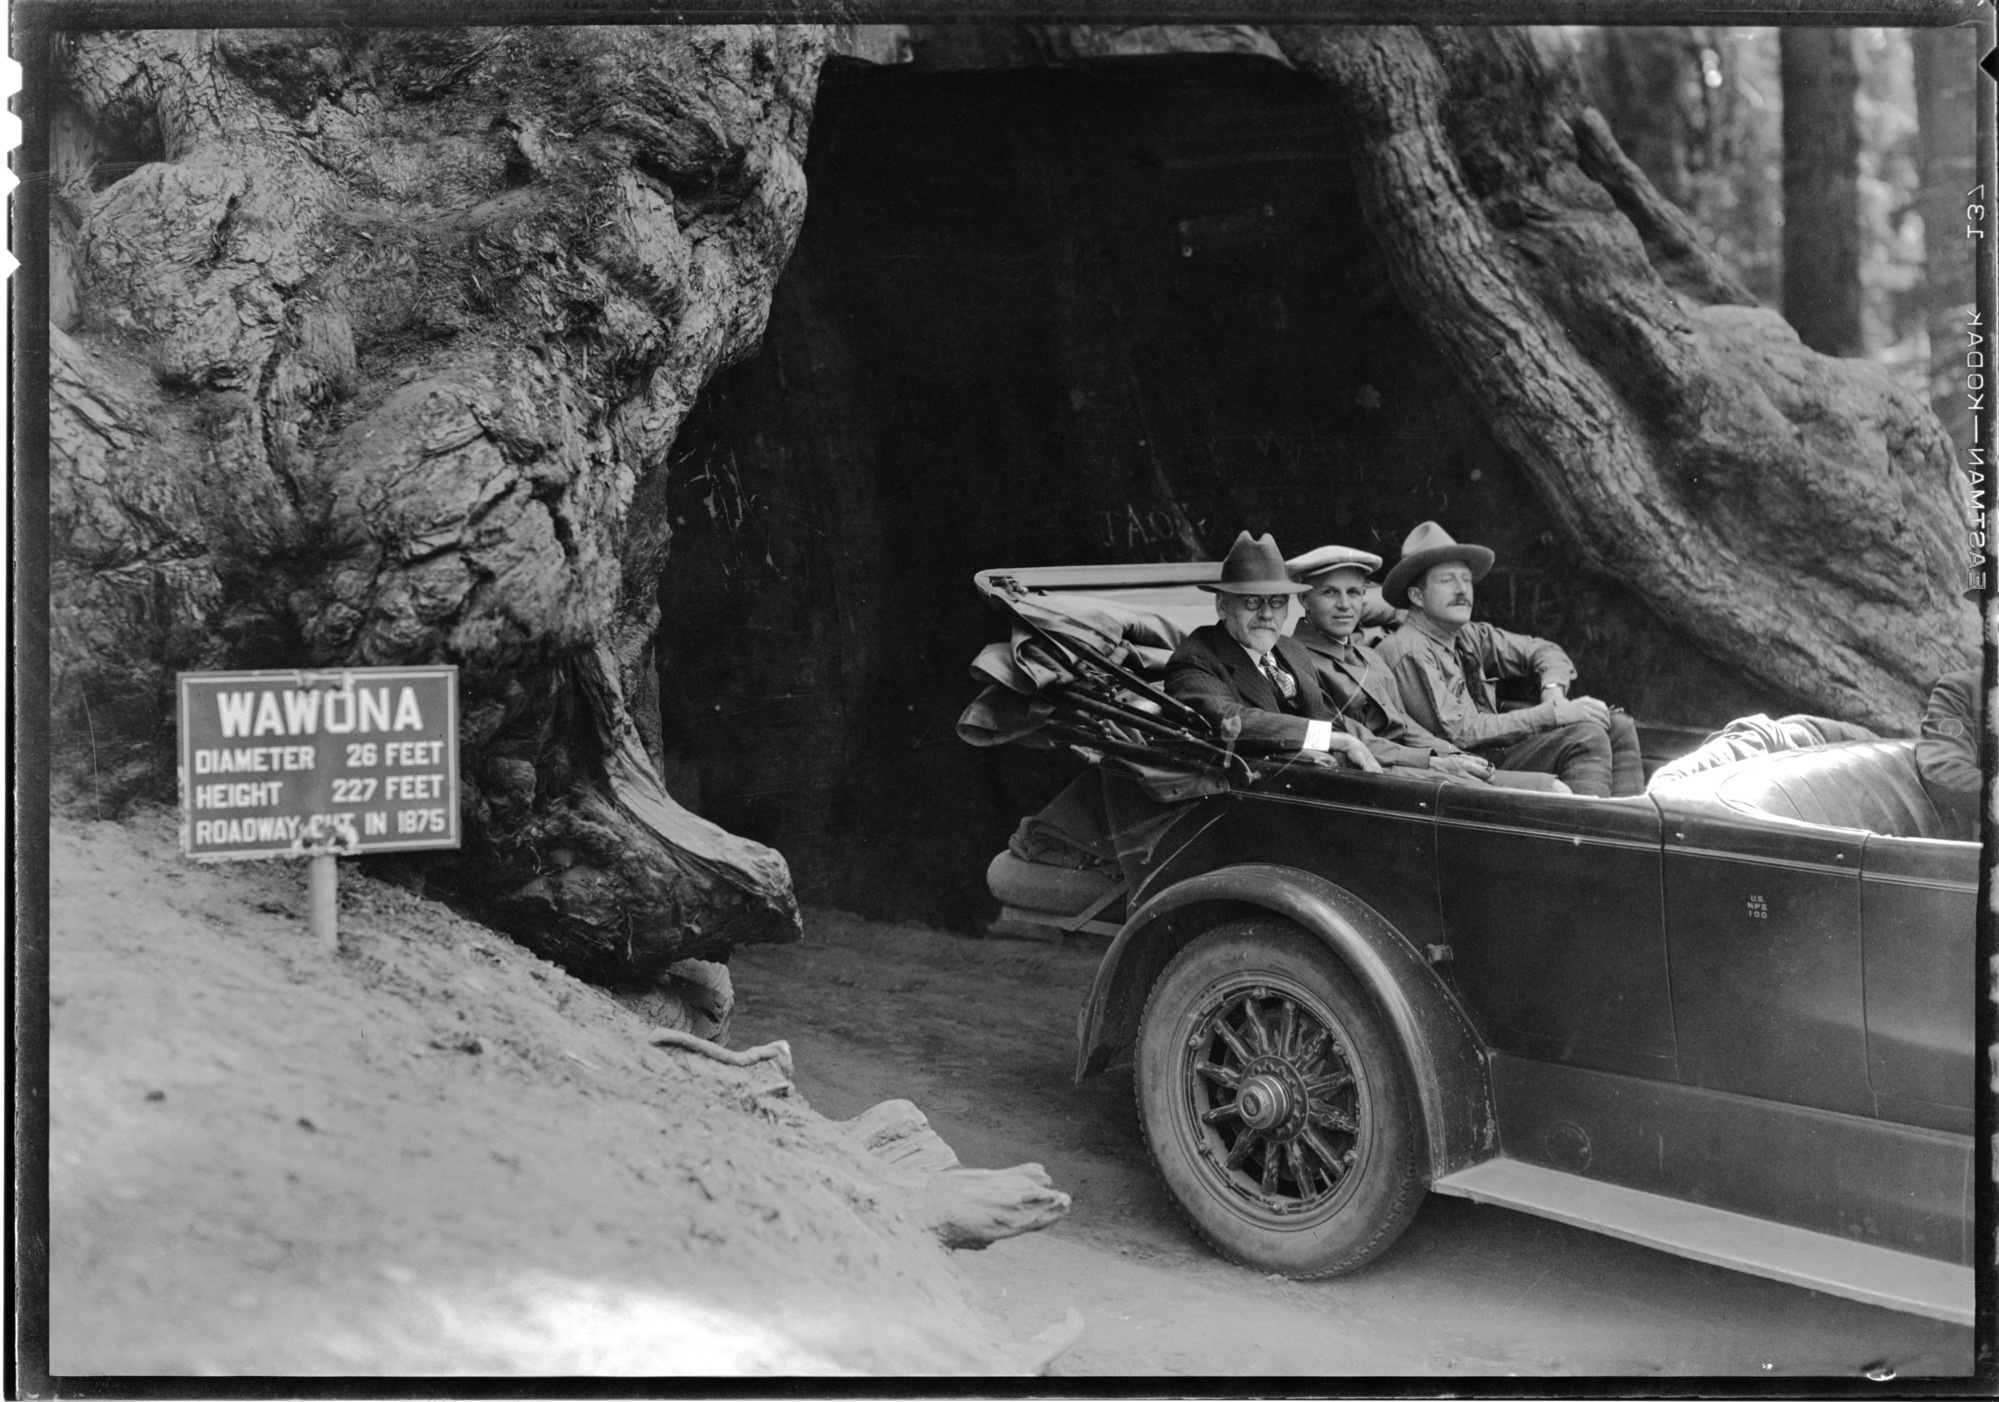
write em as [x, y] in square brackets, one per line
[1375, 1211]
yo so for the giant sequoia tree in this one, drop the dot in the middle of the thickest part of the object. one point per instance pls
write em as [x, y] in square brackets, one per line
[1796, 515]
[370, 349]
[373, 348]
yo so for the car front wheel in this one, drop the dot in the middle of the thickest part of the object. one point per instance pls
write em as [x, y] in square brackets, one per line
[1277, 1107]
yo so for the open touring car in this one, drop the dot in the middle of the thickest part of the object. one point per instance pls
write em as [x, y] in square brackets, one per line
[1731, 1017]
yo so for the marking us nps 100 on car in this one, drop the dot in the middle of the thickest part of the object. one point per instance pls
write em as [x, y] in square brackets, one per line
[283, 763]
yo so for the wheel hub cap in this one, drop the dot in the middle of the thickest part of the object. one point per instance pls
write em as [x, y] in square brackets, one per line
[1264, 1102]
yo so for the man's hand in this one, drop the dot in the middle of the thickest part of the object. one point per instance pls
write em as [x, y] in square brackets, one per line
[1466, 766]
[1568, 712]
[1355, 753]
[1345, 752]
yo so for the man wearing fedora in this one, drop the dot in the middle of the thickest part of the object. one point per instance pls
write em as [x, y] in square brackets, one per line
[1445, 666]
[1355, 682]
[1243, 667]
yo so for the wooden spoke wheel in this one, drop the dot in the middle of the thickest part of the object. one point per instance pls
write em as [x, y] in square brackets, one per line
[1276, 1106]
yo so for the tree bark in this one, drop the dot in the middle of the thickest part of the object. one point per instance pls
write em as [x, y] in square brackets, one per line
[1821, 189]
[1947, 154]
[377, 344]
[1796, 515]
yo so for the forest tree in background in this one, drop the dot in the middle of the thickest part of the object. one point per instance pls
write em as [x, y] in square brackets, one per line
[1946, 92]
[1700, 110]
[1822, 189]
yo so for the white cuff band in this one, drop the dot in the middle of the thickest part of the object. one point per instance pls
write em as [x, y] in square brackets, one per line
[1318, 735]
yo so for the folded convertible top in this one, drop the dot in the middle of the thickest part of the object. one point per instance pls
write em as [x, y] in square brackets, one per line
[1083, 666]
[1134, 614]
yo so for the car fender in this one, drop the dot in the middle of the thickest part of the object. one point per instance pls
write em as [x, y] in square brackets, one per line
[1442, 1047]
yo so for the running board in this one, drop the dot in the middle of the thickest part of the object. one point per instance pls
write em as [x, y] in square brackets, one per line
[1894, 1280]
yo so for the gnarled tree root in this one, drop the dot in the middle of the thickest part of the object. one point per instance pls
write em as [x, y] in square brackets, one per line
[971, 1208]
[967, 1208]
[1051, 1343]
[778, 1051]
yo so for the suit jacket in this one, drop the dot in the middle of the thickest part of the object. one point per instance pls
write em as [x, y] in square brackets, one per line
[1369, 709]
[1211, 672]
[1947, 753]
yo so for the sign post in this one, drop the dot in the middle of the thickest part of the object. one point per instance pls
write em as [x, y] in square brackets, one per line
[324, 883]
[318, 765]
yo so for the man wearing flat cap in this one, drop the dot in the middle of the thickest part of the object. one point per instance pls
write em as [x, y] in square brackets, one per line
[1356, 684]
[1445, 666]
[1243, 667]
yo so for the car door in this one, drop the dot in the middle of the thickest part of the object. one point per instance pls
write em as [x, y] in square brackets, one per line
[1918, 915]
[1550, 905]
[1763, 936]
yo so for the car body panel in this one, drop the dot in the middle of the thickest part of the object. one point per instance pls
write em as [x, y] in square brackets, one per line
[1918, 905]
[1380, 836]
[1763, 935]
[1852, 1176]
[1383, 832]
[1556, 926]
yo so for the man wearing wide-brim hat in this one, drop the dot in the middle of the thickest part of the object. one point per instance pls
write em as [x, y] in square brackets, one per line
[1356, 683]
[1242, 667]
[1445, 666]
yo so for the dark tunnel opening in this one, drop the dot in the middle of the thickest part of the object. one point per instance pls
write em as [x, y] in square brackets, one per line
[1103, 313]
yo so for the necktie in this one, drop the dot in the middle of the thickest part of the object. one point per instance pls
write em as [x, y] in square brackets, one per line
[1473, 666]
[1287, 689]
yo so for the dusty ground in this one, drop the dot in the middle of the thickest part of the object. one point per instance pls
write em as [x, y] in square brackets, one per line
[431, 1153]
[981, 1033]
[434, 1153]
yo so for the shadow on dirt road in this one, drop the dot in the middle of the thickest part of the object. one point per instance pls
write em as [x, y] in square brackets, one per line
[981, 1035]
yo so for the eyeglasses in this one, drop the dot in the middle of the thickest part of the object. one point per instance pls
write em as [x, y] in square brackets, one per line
[1262, 603]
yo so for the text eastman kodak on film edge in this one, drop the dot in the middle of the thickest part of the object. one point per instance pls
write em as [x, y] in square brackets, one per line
[1974, 393]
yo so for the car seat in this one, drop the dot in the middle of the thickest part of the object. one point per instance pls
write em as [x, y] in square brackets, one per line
[1871, 784]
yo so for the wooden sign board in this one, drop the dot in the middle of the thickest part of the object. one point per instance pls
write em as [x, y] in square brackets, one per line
[296, 764]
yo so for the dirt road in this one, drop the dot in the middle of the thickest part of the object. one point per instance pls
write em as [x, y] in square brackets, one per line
[981, 1035]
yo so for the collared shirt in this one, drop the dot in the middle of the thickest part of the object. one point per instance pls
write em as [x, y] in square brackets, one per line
[1361, 690]
[1446, 678]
